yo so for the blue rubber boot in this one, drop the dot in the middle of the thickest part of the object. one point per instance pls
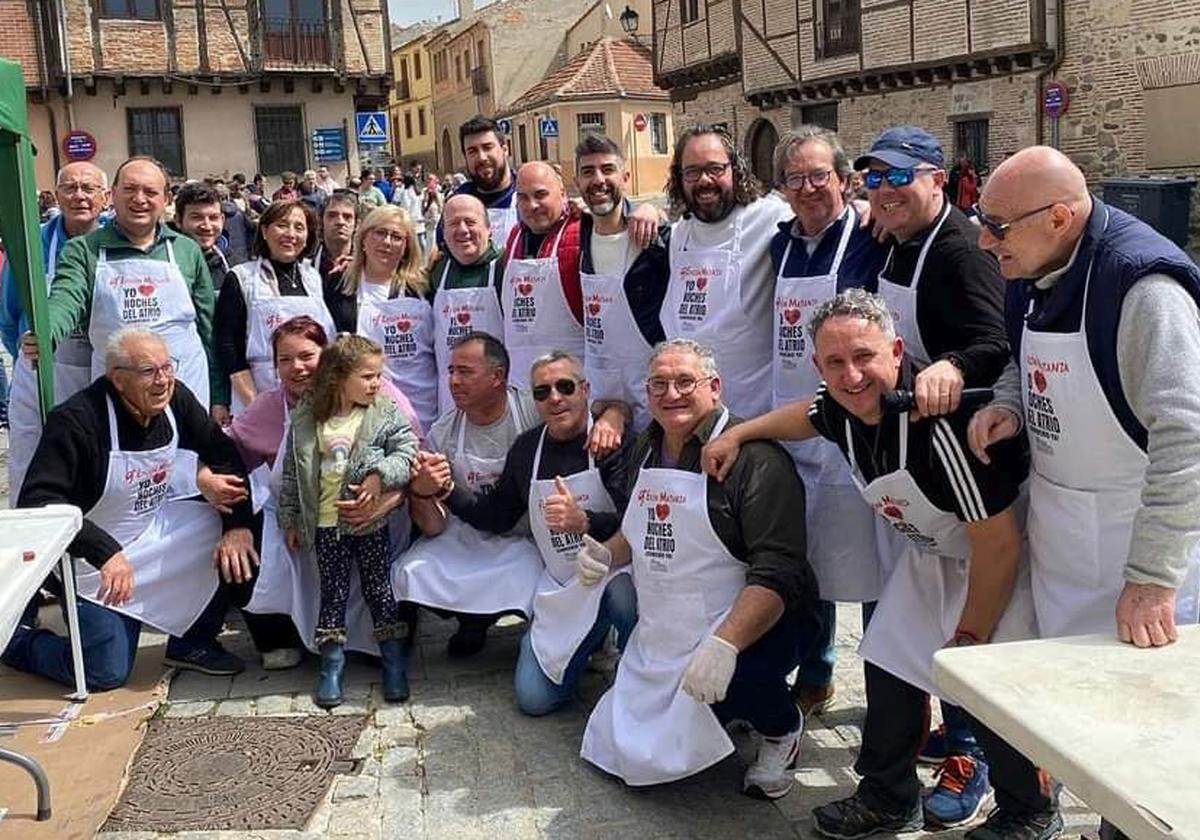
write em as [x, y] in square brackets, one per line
[395, 669]
[333, 669]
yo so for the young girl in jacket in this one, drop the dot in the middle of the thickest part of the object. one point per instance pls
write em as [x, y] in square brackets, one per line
[346, 447]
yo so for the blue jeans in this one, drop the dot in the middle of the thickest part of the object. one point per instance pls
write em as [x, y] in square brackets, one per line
[817, 651]
[536, 693]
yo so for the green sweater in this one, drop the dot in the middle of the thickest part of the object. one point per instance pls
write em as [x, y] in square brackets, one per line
[461, 276]
[75, 278]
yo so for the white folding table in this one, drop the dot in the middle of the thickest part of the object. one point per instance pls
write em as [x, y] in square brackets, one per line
[1118, 725]
[47, 532]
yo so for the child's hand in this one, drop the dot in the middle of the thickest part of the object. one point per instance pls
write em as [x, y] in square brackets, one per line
[291, 538]
[369, 490]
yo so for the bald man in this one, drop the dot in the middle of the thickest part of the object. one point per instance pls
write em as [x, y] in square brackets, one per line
[541, 294]
[465, 284]
[1105, 379]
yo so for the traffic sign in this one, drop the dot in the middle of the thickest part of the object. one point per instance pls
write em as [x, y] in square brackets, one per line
[1055, 100]
[548, 127]
[505, 126]
[371, 127]
[329, 144]
[79, 145]
[639, 122]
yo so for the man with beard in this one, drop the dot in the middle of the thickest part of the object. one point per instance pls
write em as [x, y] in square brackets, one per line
[623, 285]
[721, 286]
[338, 221]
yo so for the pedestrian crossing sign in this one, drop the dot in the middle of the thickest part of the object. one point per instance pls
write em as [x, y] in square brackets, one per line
[372, 127]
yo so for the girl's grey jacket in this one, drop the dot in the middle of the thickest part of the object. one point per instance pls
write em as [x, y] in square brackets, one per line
[385, 444]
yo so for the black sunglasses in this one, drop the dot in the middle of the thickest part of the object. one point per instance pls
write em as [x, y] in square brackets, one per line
[1000, 229]
[565, 387]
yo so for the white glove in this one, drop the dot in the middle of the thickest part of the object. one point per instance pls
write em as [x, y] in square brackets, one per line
[592, 561]
[708, 674]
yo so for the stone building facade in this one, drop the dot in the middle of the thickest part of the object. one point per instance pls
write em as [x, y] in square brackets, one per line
[208, 86]
[414, 132]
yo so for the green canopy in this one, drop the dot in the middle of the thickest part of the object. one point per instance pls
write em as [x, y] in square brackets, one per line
[19, 218]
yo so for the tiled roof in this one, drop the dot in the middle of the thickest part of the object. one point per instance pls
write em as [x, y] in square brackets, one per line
[609, 68]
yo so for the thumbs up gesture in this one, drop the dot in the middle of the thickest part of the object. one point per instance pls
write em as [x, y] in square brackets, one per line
[563, 512]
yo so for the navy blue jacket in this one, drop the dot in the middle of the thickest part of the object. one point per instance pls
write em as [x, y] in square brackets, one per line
[861, 264]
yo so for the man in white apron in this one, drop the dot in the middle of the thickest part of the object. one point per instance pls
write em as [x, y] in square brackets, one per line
[492, 179]
[464, 279]
[550, 476]
[540, 294]
[960, 580]
[722, 283]
[821, 252]
[456, 569]
[722, 584]
[142, 556]
[81, 189]
[623, 285]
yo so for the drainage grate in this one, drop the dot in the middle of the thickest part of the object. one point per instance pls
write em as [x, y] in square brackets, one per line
[233, 773]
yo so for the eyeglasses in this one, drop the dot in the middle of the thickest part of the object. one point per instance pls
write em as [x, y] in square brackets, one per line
[691, 174]
[565, 387]
[382, 235]
[88, 190]
[817, 178]
[658, 386]
[151, 372]
[1000, 229]
[895, 177]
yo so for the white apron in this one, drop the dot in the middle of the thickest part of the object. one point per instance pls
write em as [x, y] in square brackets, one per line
[924, 596]
[459, 312]
[616, 355]
[169, 542]
[902, 300]
[152, 295]
[704, 303]
[266, 309]
[290, 584]
[564, 610]
[501, 221]
[466, 570]
[646, 729]
[537, 318]
[1085, 488]
[403, 327]
[72, 373]
[842, 544]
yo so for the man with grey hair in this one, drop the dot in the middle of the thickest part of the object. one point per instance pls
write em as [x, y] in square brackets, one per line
[960, 580]
[143, 557]
[566, 493]
[722, 584]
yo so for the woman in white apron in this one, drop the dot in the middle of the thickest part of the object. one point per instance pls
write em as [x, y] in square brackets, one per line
[457, 313]
[279, 284]
[386, 291]
[537, 318]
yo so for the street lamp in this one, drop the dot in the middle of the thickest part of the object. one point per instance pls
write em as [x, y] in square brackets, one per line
[629, 21]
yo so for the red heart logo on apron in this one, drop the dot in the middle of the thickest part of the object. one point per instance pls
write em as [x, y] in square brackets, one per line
[146, 289]
[893, 512]
[594, 308]
[792, 316]
[464, 317]
[1039, 381]
[403, 324]
[701, 282]
[524, 287]
[662, 510]
[160, 476]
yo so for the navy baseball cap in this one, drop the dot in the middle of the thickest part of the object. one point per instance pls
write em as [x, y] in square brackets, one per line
[904, 147]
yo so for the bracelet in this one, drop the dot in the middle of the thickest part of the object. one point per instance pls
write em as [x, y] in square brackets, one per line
[963, 638]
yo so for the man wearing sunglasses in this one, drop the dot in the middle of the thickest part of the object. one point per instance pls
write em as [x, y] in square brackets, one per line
[550, 476]
[946, 293]
[722, 585]
[1105, 380]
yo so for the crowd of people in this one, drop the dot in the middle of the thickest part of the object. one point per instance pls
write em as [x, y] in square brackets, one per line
[677, 440]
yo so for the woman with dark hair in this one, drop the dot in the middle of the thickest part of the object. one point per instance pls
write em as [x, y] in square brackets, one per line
[261, 294]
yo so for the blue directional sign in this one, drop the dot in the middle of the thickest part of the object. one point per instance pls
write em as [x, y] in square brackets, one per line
[329, 144]
[505, 126]
[548, 127]
[371, 128]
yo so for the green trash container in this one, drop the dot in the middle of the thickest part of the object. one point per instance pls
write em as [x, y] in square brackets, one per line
[1163, 202]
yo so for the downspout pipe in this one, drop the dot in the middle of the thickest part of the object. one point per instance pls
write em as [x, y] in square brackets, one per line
[65, 57]
[1060, 55]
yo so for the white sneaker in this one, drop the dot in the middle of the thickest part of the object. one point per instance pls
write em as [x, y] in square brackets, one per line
[281, 659]
[771, 775]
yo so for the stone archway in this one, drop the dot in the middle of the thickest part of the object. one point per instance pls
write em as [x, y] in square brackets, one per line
[761, 140]
[447, 153]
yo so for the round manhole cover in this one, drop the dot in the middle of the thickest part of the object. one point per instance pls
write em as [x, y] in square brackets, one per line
[233, 773]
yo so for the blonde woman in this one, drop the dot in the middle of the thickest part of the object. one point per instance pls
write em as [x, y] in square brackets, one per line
[384, 296]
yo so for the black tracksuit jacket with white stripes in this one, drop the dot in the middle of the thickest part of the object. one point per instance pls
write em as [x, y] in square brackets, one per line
[939, 458]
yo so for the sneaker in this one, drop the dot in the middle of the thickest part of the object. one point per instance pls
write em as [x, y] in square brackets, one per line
[281, 659]
[468, 639]
[211, 659]
[771, 775]
[961, 792]
[813, 699]
[851, 818]
[1002, 825]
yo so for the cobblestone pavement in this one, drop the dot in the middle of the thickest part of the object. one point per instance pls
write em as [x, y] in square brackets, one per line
[459, 762]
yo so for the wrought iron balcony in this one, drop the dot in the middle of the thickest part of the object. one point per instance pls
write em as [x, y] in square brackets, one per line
[479, 80]
[403, 90]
